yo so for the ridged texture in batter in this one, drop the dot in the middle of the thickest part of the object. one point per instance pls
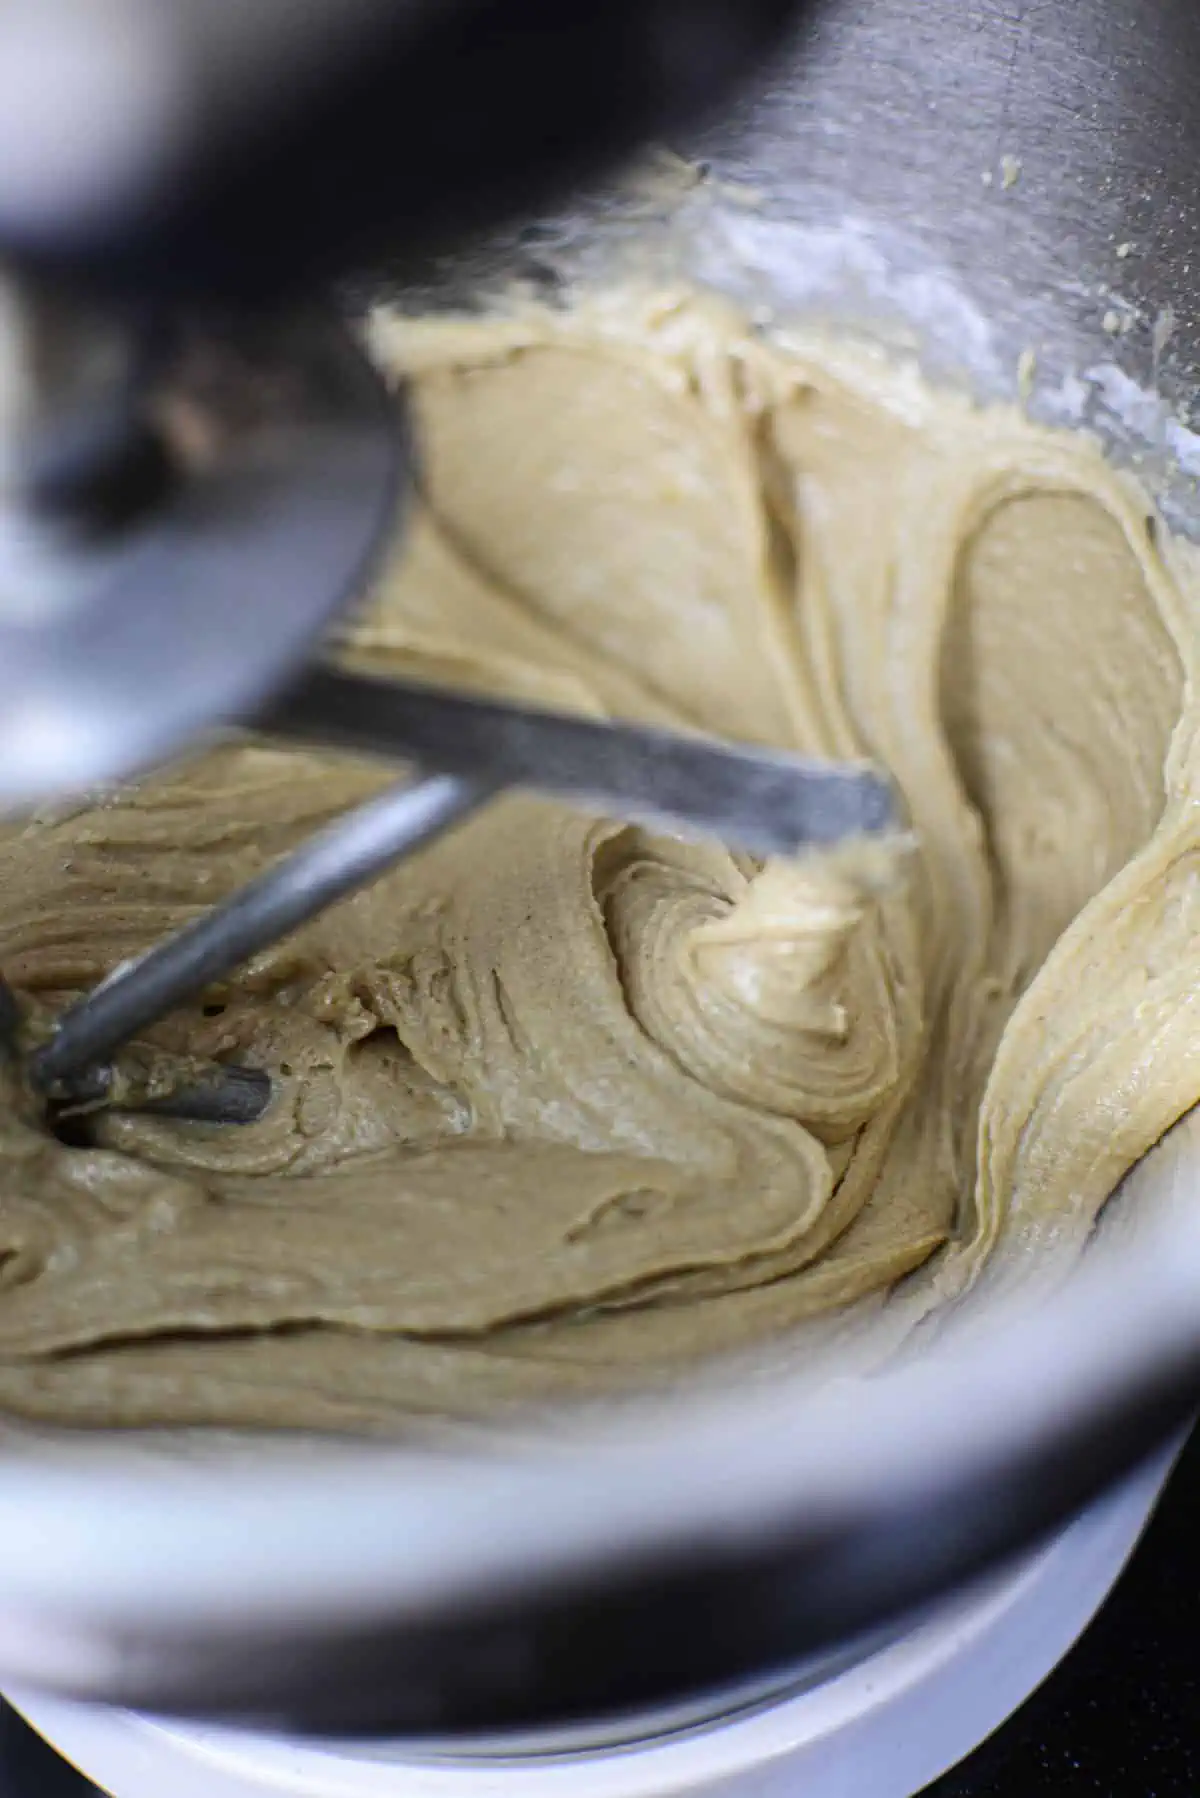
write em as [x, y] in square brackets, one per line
[566, 1106]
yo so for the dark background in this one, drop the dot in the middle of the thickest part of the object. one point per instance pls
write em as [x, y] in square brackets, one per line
[1120, 1718]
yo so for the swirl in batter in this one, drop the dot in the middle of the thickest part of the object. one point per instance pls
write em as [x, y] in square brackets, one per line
[565, 1106]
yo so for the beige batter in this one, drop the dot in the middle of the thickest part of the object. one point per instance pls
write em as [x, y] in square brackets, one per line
[565, 1106]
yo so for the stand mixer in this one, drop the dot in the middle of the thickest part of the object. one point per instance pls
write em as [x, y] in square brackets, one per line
[800, 1525]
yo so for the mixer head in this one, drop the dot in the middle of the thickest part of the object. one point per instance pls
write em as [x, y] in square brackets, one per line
[168, 561]
[196, 466]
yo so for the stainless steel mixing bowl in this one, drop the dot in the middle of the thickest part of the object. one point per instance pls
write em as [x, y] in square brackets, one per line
[1008, 189]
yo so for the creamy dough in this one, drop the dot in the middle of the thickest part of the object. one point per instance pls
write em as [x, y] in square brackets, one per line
[566, 1106]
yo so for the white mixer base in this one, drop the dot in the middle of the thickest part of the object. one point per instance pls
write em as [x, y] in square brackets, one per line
[888, 1726]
